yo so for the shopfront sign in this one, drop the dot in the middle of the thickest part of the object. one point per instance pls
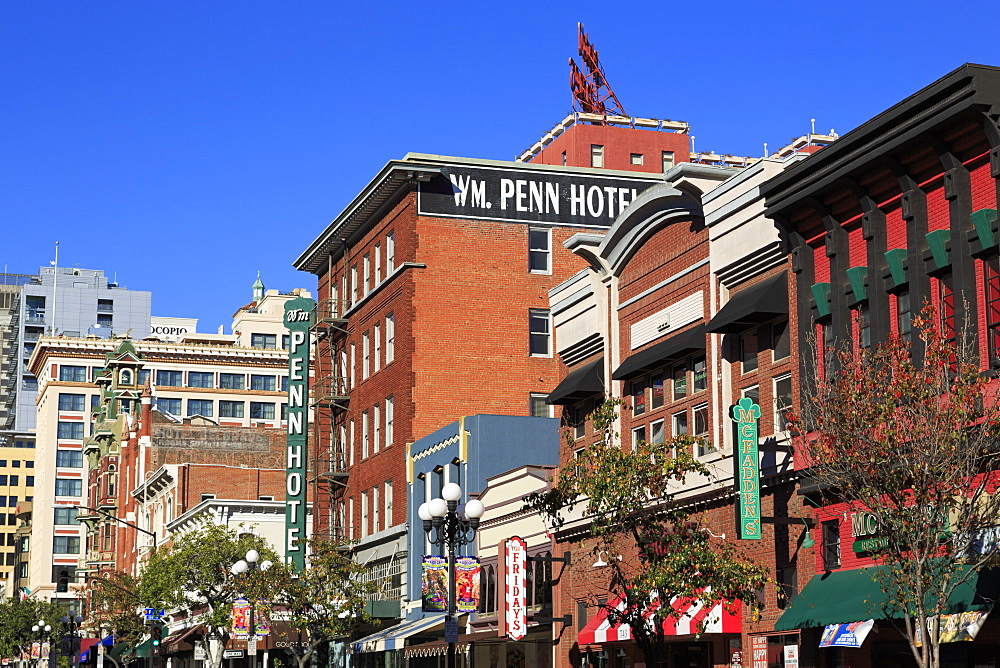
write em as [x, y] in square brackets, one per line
[865, 528]
[514, 619]
[298, 319]
[746, 464]
[528, 195]
[959, 627]
[846, 635]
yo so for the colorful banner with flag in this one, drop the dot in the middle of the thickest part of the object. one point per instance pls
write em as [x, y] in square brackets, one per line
[241, 619]
[434, 585]
[467, 583]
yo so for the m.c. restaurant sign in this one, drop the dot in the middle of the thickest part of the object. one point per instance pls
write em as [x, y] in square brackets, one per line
[746, 464]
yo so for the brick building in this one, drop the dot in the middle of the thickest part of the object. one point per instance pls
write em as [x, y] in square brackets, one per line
[900, 212]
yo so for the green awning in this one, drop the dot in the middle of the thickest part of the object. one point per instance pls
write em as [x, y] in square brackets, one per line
[120, 648]
[852, 596]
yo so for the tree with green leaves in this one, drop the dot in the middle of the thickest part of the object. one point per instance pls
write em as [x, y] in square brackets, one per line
[656, 549]
[912, 445]
[194, 575]
[17, 616]
[326, 601]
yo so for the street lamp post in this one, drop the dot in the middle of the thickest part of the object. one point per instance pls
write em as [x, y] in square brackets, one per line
[41, 631]
[244, 569]
[72, 621]
[449, 526]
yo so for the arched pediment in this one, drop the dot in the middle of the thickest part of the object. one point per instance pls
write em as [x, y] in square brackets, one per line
[656, 208]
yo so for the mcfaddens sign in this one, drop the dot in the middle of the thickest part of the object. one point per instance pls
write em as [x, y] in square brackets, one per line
[529, 196]
[746, 464]
[298, 319]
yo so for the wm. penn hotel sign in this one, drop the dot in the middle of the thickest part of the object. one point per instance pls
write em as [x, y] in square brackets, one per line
[298, 319]
[746, 464]
[529, 196]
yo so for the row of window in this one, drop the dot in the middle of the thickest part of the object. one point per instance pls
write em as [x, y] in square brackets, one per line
[538, 585]
[775, 336]
[597, 157]
[376, 509]
[15, 480]
[16, 463]
[69, 487]
[688, 422]
[259, 410]
[687, 377]
[377, 430]
[371, 347]
[370, 277]
[268, 341]
[172, 378]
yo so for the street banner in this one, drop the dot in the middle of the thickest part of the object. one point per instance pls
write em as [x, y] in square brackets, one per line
[959, 627]
[262, 619]
[467, 583]
[434, 585]
[241, 619]
[846, 635]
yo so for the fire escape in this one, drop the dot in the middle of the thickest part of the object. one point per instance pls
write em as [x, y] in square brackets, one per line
[331, 398]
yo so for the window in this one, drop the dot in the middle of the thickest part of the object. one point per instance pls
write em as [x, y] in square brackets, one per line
[260, 410]
[143, 376]
[364, 435]
[365, 355]
[668, 160]
[354, 284]
[782, 402]
[231, 409]
[679, 376]
[700, 415]
[364, 513]
[376, 509]
[110, 482]
[69, 459]
[232, 381]
[378, 263]
[748, 352]
[66, 545]
[263, 383]
[752, 393]
[207, 496]
[538, 328]
[946, 308]
[576, 415]
[70, 430]
[864, 326]
[65, 515]
[169, 378]
[596, 155]
[104, 320]
[30, 482]
[352, 445]
[657, 433]
[352, 365]
[200, 379]
[539, 250]
[73, 374]
[201, 407]
[831, 545]
[68, 486]
[15, 481]
[390, 337]
[172, 406]
[639, 396]
[656, 391]
[387, 500]
[904, 318]
[284, 383]
[680, 424]
[377, 427]
[367, 275]
[284, 341]
[638, 436]
[390, 253]
[125, 377]
[538, 406]
[780, 340]
[700, 379]
[377, 346]
[71, 402]
[564, 158]
[389, 420]
[635, 158]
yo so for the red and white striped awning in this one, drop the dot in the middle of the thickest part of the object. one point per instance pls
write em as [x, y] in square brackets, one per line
[693, 617]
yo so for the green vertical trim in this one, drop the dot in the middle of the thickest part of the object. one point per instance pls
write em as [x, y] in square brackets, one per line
[896, 259]
[821, 293]
[858, 276]
[938, 243]
[983, 221]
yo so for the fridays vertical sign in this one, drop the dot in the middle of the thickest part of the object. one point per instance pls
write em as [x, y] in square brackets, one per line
[745, 415]
[298, 319]
[514, 620]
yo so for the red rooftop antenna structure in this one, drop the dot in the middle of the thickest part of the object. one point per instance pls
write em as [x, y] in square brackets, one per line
[591, 92]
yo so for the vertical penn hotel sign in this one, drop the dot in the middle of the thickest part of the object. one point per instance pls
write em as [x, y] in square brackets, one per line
[745, 415]
[298, 319]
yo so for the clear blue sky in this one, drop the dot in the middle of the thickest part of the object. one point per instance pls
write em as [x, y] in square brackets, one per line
[187, 145]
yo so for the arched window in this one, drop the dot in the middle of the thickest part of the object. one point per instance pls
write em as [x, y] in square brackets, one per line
[111, 481]
[125, 377]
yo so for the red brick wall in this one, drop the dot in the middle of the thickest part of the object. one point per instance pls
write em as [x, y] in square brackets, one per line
[619, 143]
